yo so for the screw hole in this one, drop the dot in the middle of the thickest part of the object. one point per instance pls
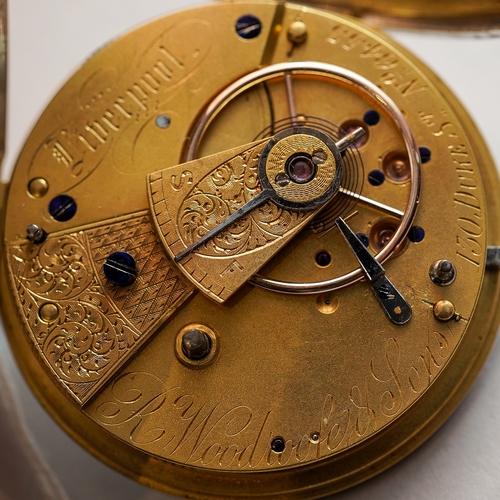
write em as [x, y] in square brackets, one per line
[163, 121]
[425, 154]
[416, 234]
[323, 258]
[371, 117]
[278, 444]
[315, 437]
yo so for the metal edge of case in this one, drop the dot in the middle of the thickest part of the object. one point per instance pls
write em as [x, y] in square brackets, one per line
[457, 16]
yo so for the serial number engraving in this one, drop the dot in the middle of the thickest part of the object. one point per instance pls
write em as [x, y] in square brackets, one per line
[470, 221]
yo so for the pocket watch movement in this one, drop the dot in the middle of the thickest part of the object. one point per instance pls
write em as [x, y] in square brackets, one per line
[251, 250]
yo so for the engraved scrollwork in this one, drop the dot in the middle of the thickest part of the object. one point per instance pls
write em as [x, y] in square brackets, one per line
[85, 347]
[58, 268]
[93, 325]
[223, 192]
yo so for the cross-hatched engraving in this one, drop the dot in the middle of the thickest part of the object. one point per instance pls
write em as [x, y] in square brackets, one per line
[96, 325]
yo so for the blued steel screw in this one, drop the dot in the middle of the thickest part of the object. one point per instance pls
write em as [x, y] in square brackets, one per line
[62, 208]
[120, 268]
[248, 26]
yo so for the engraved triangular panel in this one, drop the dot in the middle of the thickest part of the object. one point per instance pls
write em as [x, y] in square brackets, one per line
[220, 185]
[94, 326]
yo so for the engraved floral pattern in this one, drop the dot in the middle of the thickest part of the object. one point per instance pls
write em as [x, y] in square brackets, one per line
[98, 325]
[223, 192]
[59, 268]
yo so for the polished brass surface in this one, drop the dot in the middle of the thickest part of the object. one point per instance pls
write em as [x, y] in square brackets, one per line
[444, 310]
[348, 391]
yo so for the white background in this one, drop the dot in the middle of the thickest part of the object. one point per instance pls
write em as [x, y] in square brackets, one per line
[48, 40]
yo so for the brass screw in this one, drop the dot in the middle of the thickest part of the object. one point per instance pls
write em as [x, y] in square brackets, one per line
[48, 312]
[38, 187]
[297, 32]
[444, 310]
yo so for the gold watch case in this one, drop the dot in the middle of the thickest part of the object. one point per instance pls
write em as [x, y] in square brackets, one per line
[303, 393]
[454, 15]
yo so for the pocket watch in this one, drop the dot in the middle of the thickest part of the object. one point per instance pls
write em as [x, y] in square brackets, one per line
[250, 250]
